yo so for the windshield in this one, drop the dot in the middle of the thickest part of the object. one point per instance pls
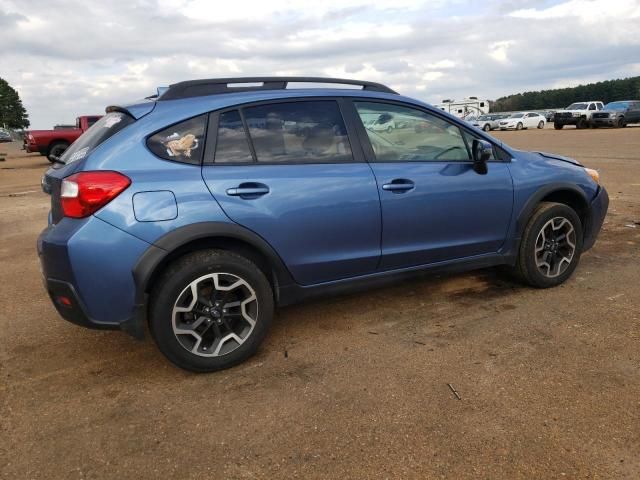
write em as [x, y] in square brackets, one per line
[617, 106]
[577, 106]
[104, 128]
[485, 117]
[517, 115]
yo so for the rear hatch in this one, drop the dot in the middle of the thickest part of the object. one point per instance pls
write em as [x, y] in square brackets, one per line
[71, 160]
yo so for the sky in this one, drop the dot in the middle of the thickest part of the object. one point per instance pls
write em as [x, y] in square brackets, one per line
[73, 57]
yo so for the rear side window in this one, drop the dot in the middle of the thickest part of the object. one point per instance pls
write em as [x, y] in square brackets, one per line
[232, 145]
[298, 132]
[104, 128]
[182, 142]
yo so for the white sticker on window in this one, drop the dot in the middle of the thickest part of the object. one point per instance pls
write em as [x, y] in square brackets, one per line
[177, 145]
[111, 121]
[79, 155]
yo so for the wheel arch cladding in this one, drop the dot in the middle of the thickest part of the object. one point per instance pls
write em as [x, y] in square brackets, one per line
[566, 194]
[208, 235]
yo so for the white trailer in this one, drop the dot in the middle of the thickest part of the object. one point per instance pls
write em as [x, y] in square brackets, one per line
[469, 107]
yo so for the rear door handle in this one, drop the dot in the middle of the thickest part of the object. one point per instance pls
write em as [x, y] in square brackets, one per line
[248, 190]
[399, 185]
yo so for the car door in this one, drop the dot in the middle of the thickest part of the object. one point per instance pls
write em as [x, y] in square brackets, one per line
[435, 207]
[532, 120]
[634, 112]
[287, 171]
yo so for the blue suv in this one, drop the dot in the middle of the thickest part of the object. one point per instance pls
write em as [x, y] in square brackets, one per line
[199, 210]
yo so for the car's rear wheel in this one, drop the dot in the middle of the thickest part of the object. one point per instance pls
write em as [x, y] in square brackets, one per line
[56, 150]
[551, 245]
[541, 124]
[519, 126]
[210, 310]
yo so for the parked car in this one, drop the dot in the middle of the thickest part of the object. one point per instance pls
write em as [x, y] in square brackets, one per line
[53, 143]
[489, 122]
[382, 123]
[520, 120]
[618, 114]
[197, 212]
[578, 114]
[5, 136]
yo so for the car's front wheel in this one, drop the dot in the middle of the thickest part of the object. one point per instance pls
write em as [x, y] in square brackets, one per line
[519, 126]
[551, 245]
[486, 127]
[210, 310]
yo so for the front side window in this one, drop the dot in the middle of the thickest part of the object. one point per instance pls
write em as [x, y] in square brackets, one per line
[298, 132]
[404, 134]
[182, 142]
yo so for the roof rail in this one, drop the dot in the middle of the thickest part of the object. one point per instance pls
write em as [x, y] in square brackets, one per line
[212, 86]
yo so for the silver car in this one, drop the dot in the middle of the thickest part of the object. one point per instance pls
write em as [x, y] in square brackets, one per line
[489, 121]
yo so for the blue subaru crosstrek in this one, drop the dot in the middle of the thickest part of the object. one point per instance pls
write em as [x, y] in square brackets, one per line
[199, 210]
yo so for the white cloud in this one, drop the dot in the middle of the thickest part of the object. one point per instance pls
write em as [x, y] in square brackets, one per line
[75, 57]
[499, 50]
[589, 12]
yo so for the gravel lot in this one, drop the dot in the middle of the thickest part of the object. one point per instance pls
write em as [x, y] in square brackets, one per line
[346, 387]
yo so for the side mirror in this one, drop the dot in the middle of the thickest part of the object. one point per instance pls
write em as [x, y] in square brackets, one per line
[482, 151]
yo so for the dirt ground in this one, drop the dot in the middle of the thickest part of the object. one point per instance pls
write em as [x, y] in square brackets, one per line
[348, 387]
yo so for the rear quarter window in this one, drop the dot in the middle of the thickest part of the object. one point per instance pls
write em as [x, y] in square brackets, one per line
[182, 142]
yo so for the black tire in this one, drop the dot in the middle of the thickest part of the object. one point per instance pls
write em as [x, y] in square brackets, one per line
[558, 126]
[519, 126]
[170, 288]
[56, 149]
[389, 129]
[621, 123]
[582, 123]
[526, 267]
[487, 127]
[540, 125]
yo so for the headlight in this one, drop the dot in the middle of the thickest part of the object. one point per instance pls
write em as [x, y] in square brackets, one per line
[593, 174]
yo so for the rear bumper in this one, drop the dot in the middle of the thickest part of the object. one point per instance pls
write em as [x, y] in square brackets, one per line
[87, 269]
[597, 213]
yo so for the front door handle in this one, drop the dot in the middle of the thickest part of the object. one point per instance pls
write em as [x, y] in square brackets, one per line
[399, 185]
[248, 190]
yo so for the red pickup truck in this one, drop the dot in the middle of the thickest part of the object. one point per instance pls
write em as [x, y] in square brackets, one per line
[53, 143]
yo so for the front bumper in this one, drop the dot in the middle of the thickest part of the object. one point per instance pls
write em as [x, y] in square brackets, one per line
[605, 122]
[566, 120]
[597, 213]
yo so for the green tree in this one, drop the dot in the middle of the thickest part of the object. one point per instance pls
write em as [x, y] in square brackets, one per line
[607, 91]
[12, 112]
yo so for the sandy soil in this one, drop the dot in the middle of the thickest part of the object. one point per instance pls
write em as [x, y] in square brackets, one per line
[346, 387]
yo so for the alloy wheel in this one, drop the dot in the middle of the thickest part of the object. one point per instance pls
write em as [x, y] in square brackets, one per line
[215, 314]
[555, 247]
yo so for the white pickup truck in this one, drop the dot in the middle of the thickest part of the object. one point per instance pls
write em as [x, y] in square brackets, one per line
[578, 114]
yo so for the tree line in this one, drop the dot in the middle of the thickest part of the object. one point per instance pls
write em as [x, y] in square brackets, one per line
[607, 91]
[12, 113]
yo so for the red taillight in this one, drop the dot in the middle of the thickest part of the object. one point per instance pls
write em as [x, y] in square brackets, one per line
[86, 192]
